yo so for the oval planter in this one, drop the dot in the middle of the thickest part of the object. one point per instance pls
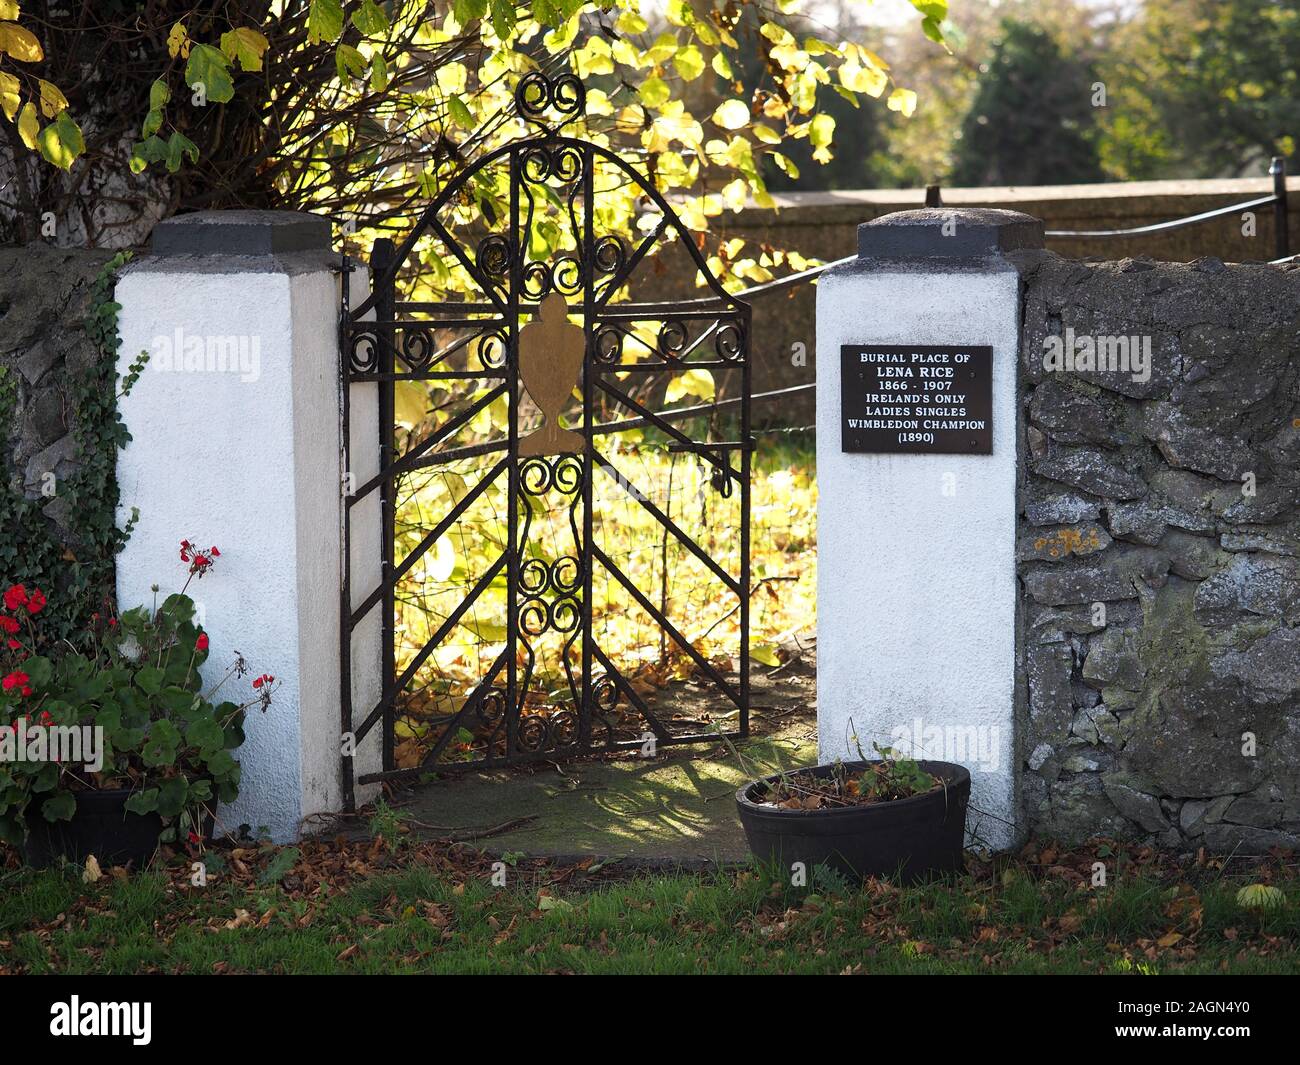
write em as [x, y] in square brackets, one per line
[915, 838]
[100, 826]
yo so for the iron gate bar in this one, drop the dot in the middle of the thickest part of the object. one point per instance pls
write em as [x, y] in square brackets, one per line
[382, 254]
[448, 624]
[679, 414]
[665, 427]
[433, 536]
[656, 726]
[617, 476]
[588, 538]
[345, 556]
[410, 461]
[705, 665]
[668, 367]
[472, 703]
[617, 282]
[451, 621]
[416, 375]
[548, 172]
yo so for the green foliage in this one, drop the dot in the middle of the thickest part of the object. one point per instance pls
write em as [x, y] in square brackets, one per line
[1203, 88]
[425, 915]
[1032, 121]
[137, 681]
[893, 777]
[77, 579]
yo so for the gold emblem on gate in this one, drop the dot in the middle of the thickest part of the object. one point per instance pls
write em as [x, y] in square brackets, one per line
[550, 359]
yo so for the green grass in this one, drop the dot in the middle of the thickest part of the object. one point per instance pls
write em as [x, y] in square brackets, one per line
[425, 909]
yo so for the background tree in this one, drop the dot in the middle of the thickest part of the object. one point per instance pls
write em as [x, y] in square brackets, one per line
[1203, 88]
[1032, 121]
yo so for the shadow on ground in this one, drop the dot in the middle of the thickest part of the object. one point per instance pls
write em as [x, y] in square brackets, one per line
[676, 809]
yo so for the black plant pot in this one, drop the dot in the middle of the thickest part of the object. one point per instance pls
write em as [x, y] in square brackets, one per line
[100, 826]
[915, 838]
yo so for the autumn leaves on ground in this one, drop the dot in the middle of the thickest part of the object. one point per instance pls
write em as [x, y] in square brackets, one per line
[398, 906]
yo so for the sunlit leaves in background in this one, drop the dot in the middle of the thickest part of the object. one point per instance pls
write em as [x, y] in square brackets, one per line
[422, 89]
[783, 579]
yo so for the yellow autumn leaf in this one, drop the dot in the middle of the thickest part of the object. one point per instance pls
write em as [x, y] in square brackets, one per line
[9, 9]
[1260, 897]
[654, 92]
[857, 78]
[631, 119]
[822, 131]
[903, 100]
[736, 193]
[52, 100]
[178, 42]
[20, 43]
[697, 383]
[630, 22]
[9, 98]
[28, 125]
[594, 57]
[92, 872]
[775, 107]
[871, 59]
[777, 34]
[732, 114]
[245, 46]
[689, 63]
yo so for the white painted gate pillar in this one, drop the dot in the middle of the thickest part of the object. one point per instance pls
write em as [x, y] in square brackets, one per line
[917, 416]
[236, 443]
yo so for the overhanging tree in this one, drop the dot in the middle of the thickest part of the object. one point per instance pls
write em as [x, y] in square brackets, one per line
[360, 110]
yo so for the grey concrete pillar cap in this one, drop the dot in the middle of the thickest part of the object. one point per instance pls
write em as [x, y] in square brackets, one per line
[241, 233]
[949, 233]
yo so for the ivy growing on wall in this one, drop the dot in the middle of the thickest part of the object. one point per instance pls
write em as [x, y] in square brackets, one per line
[78, 576]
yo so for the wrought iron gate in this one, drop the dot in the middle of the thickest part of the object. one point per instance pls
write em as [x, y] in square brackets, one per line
[524, 278]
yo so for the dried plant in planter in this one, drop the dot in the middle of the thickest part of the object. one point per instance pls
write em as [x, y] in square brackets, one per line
[884, 781]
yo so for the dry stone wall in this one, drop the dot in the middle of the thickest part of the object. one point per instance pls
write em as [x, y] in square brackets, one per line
[1159, 553]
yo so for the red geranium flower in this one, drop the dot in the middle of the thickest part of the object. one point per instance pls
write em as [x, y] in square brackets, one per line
[201, 644]
[265, 678]
[14, 644]
[14, 680]
[200, 561]
[36, 602]
[16, 596]
[8, 624]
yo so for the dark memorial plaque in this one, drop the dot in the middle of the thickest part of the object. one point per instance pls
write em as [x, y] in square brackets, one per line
[916, 399]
